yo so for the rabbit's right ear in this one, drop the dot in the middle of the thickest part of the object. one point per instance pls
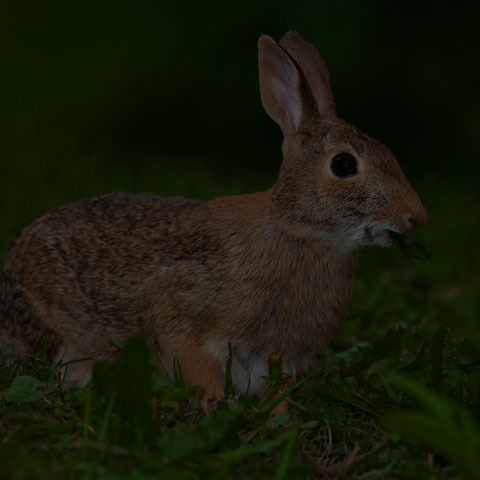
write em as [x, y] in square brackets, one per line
[313, 66]
[279, 85]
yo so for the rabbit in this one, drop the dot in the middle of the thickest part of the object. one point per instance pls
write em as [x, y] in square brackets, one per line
[267, 272]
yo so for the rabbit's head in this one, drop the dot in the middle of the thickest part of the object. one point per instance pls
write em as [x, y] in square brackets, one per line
[336, 183]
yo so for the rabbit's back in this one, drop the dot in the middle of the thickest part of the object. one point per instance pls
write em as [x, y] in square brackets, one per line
[79, 274]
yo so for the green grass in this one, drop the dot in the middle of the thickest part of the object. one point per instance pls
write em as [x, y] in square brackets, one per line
[351, 418]
[396, 395]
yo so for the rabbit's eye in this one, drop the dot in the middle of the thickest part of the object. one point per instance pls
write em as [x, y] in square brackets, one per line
[344, 165]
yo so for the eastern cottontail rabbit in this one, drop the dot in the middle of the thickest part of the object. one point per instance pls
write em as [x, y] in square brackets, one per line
[268, 272]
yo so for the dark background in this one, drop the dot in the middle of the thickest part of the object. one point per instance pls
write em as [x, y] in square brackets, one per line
[163, 97]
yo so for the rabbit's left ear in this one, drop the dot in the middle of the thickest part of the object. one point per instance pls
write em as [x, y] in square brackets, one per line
[314, 68]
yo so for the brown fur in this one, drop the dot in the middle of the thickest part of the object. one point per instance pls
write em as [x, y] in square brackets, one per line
[268, 272]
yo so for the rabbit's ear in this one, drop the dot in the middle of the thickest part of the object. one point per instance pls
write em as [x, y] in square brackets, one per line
[279, 85]
[314, 69]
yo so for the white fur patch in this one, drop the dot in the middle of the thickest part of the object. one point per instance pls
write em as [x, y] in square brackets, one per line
[248, 369]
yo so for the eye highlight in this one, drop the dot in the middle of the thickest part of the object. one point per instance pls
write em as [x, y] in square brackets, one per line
[343, 165]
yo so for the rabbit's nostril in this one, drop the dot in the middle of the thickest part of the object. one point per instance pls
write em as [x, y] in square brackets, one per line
[412, 223]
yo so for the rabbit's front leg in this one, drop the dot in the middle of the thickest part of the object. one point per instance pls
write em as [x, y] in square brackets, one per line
[198, 368]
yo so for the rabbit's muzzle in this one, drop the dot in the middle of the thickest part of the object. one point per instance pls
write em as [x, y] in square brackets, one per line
[381, 234]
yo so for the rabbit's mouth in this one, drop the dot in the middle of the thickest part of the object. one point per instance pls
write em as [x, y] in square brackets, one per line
[381, 237]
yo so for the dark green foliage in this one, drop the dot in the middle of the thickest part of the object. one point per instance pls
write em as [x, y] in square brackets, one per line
[25, 389]
[412, 252]
[443, 425]
[127, 383]
[134, 420]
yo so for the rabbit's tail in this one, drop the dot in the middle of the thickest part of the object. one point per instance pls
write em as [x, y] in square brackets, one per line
[22, 332]
[10, 347]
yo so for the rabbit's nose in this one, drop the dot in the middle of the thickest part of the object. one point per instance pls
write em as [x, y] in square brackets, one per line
[416, 219]
[412, 224]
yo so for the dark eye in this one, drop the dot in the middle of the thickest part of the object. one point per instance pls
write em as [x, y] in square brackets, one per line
[344, 165]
